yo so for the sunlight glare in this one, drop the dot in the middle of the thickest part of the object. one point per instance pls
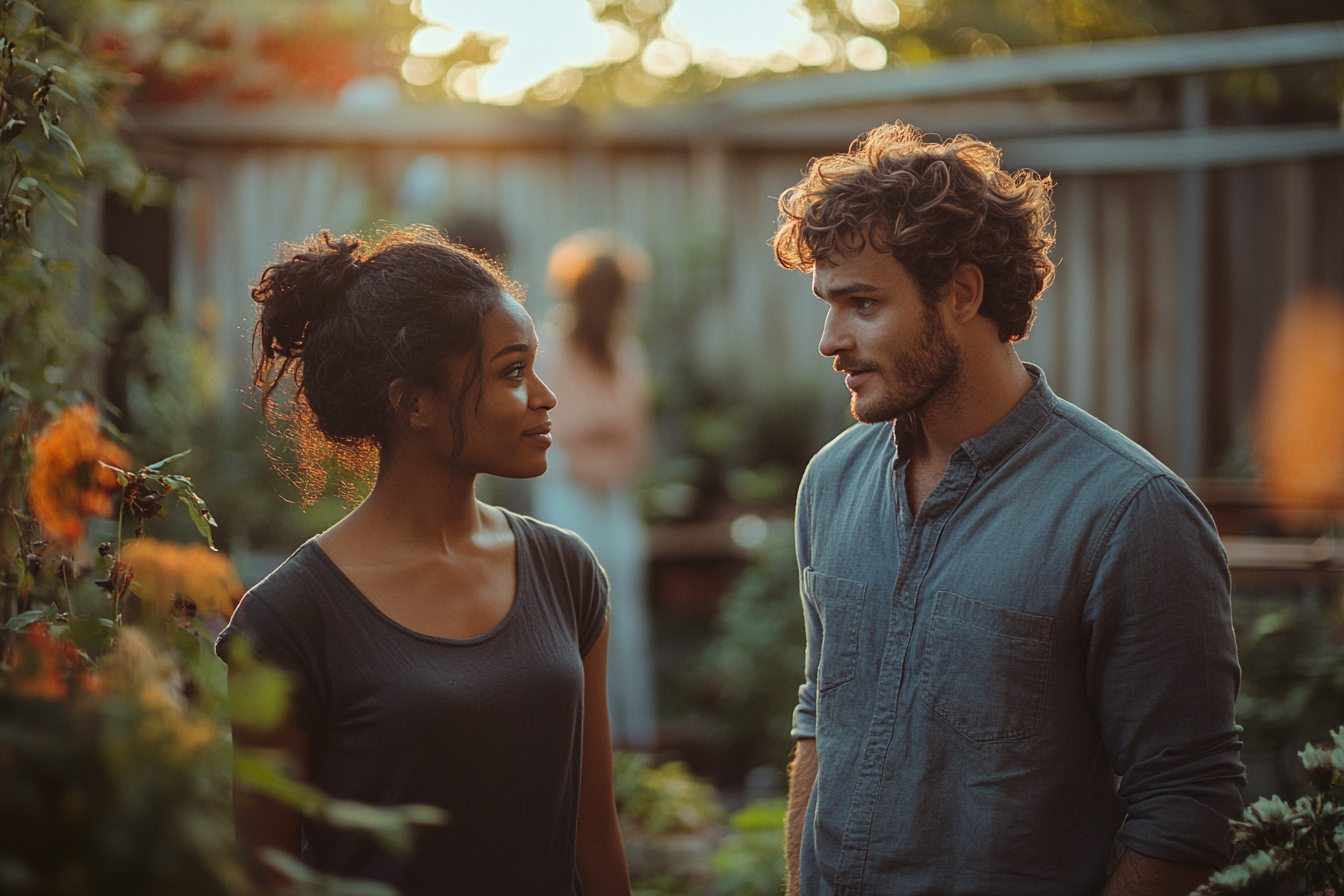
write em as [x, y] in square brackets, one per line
[879, 15]
[544, 36]
[434, 40]
[745, 28]
[866, 53]
[665, 58]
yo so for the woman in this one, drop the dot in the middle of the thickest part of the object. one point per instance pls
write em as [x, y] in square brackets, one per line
[603, 444]
[443, 651]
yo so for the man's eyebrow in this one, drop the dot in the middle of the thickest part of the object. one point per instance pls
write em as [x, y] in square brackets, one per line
[509, 349]
[844, 289]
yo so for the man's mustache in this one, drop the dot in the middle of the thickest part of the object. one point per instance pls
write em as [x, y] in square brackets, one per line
[851, 364]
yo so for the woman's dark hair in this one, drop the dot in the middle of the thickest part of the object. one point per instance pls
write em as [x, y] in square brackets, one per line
[597, 297]
[593, 271]
[342, 321]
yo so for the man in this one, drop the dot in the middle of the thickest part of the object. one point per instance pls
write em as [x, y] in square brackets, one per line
[1020, 660]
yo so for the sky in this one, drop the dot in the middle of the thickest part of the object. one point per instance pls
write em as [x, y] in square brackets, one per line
[732, 37]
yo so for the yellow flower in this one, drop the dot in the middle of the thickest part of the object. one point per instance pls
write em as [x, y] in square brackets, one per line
[67, 484]
[165, 571]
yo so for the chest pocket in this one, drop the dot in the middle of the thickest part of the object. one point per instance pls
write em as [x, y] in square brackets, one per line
[985, 668]
[840, 604]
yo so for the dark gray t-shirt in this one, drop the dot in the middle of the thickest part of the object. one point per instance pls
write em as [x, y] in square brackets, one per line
[489, 728]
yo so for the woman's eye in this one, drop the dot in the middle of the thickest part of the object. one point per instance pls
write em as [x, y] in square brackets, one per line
[516, 371]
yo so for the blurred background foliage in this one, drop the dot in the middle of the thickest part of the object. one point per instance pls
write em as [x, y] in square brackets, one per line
[115, 748]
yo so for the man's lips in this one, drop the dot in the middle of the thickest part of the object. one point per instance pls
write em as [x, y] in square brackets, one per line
[540, 434]
[856, 378]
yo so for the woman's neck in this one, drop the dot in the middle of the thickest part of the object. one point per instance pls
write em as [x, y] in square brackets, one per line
[417, 507]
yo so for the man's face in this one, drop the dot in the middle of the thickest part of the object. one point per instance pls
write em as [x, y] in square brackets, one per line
[891, 345]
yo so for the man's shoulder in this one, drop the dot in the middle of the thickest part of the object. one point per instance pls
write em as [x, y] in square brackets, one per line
[858, 441]
[1086, 457]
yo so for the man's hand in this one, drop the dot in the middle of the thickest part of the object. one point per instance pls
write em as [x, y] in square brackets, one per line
[802, 774]
[1140, 875]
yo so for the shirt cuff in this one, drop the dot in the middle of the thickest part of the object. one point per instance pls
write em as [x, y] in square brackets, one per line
[1182, 829]
[804, 723]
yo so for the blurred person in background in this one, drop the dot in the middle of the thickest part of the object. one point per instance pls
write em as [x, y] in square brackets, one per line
[442, 651]
[601, 444]
[1021, 671]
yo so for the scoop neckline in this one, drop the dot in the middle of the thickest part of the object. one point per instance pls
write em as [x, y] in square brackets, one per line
[373, 608]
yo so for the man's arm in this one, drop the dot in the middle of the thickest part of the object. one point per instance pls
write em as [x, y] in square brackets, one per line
[802, 774]
[1162, 678]
[1140, 875]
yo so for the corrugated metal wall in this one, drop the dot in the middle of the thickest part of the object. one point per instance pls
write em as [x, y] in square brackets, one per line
[1111, 333]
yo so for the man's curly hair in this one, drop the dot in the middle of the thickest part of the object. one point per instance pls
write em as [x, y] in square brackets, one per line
[934, 207]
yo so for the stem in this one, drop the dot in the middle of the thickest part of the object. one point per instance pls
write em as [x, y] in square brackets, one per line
[69, 601]
[116, 558]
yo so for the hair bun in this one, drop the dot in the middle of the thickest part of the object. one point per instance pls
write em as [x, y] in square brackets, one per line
[302, 290]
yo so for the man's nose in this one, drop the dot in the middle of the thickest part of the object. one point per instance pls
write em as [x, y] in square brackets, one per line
[834, 338]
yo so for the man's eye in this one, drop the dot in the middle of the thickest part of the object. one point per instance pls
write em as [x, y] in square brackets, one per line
[864, 304]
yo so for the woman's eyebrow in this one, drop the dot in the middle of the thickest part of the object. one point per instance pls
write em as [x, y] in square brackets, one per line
[508, 349]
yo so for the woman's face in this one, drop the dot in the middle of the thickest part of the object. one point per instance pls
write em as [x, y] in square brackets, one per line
[507, 431]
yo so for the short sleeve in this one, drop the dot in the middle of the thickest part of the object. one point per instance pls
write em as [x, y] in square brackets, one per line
[286, 645]
[593, 602]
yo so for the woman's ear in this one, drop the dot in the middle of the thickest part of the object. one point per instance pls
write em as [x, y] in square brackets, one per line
[409, 400]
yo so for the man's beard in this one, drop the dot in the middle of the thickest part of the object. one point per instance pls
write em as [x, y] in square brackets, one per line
[911, 378]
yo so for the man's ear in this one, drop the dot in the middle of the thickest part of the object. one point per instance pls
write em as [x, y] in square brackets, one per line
[409, 400]
[966, 290]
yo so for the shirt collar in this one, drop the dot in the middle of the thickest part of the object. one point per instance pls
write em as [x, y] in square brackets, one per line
[1006, 436]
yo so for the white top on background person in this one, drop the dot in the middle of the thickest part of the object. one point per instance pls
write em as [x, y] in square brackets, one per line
[602, 439]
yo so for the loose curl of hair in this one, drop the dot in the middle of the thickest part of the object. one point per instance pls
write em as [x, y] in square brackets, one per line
[338, 321]
[934, 207]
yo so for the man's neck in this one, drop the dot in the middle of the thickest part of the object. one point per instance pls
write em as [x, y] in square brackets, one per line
[986, 391]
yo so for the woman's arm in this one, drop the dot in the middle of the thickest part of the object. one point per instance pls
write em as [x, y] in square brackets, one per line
[260, 821]
[600, 854]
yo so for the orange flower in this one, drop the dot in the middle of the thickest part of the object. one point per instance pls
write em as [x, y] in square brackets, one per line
[164, 571]
[47, 667]
[67, 484]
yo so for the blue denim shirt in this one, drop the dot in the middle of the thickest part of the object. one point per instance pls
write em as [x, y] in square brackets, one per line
[997, 683]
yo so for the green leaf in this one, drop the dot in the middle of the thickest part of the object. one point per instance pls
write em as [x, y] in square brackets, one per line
[312, 881]
[27, 183]
[24, 619]
[32, 66]
[202, 524]
[62, 94]
[64, 139]
[159, 465]
[121, 474]
[258, 693]
[63, 207]
[389, 825]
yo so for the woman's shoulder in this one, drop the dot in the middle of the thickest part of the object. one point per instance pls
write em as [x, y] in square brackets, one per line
[551, 541]
[297, 586]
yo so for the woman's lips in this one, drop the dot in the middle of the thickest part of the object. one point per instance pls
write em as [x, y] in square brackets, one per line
[541, 435]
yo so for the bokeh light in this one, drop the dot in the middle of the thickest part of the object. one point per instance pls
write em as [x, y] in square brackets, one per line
[866, 53]
[543, 36]
[532, 43]
[1300, 432]
[879, 15]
